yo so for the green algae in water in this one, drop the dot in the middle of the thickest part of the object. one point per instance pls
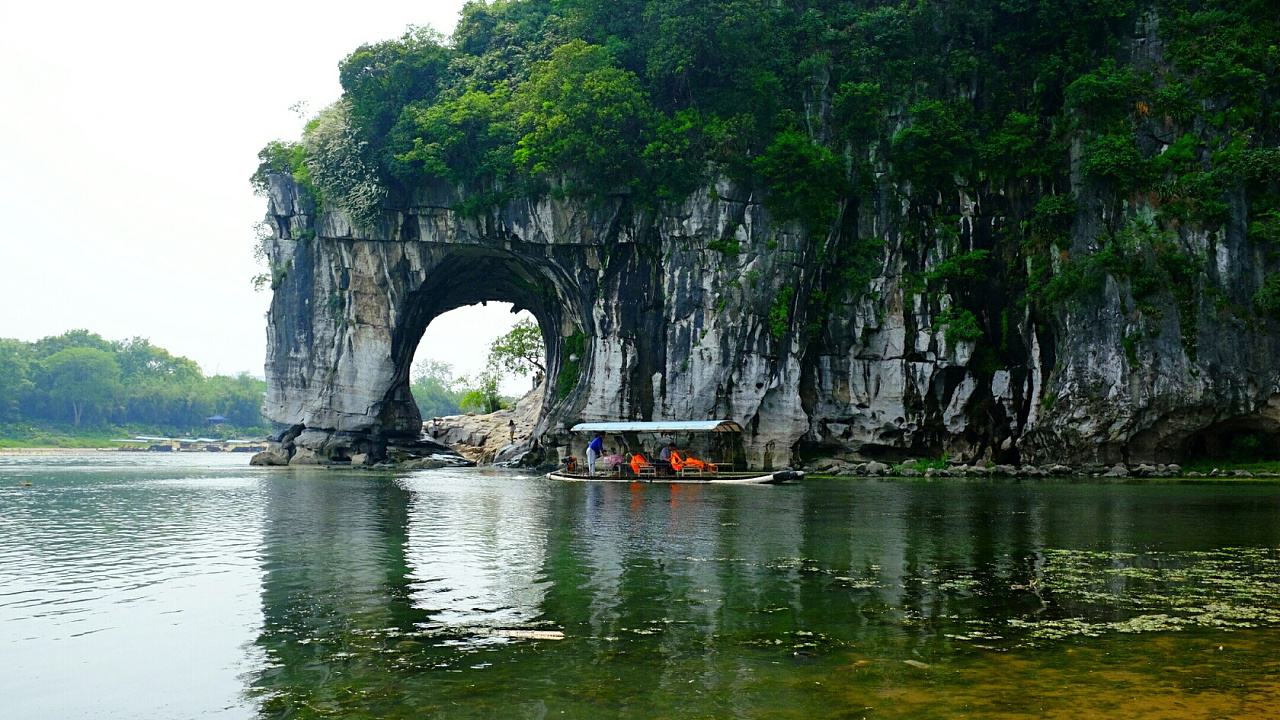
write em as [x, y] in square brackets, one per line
[382, 599]
[1231, 588]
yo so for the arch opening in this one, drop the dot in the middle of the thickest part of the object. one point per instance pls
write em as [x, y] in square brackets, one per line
[476, 275]
[481, 408]
[454, 352]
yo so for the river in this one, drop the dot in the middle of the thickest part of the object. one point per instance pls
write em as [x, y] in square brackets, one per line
[192, 586]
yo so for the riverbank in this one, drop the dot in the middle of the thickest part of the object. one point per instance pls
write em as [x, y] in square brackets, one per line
[36, 451]
[1227, 480]
[1201, 469]
[22, 436]
[56, 442]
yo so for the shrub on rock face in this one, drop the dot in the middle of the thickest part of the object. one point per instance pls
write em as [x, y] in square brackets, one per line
[1115, 158]
[1268, 296]
[933, 150]
[340, 168]
[780, 313]
[804, 179]
[1266, 228]
[286, 158]
[581, 115]
[467, 139]
[1104, 95]
[960, 325]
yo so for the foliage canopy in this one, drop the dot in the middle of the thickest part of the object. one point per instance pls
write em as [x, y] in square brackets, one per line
[818, 105]
[650, 97]
[82, 379]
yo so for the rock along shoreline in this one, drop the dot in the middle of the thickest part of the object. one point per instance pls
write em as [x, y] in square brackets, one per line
[916, 468]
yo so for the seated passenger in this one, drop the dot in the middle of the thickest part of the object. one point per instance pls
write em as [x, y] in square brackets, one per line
[613, 461]
[666, 456]
[639, 464]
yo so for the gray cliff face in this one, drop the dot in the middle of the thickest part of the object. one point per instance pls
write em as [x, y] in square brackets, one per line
[656, 316]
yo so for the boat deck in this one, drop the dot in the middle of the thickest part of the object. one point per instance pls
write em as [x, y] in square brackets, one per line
[724, 478]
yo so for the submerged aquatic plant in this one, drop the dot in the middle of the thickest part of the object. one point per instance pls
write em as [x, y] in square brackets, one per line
[1231, 588]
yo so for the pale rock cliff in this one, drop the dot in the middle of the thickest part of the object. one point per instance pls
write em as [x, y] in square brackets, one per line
[708, 310]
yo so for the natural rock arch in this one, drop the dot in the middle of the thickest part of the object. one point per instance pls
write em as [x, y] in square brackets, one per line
[713, 309]
[654, 333]
[348, 314]
[464, 275]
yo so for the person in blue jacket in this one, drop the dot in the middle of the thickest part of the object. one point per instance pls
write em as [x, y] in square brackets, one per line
[594, 450]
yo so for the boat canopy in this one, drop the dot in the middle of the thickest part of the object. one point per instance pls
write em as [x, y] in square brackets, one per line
[666, 426]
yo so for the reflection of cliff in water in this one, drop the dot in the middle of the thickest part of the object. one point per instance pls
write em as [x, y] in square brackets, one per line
[335, 579]
[476, 549]
[383, 595]
[367, 579]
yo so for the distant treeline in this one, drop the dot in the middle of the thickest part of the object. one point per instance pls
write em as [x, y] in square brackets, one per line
[438, 393]
[520, 351]
[84, 381]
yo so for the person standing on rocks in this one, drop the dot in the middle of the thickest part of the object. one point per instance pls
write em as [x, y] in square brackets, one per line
[594, 450]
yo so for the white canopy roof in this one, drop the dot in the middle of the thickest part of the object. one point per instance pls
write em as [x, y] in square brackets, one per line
[665, 426]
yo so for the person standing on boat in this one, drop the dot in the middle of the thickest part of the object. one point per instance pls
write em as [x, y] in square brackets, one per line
[594, 450]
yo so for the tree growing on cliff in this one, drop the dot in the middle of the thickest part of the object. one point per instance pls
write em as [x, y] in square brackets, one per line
[520, 351]
[582, 115]
[379, 80]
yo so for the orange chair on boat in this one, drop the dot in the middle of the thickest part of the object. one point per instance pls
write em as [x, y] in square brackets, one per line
[640, 466]
[699, 466]
[677, 463]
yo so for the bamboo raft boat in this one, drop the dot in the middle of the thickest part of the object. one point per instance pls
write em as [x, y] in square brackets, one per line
[705, 473]
[725, 478]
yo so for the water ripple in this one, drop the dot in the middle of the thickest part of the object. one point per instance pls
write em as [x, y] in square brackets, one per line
[158, 590]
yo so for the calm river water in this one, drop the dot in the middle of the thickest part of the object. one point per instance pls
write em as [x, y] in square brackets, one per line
[191, 586]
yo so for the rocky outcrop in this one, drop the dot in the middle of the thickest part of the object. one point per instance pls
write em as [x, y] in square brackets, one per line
[641, 318]
[491, 437]
[838, 343]
[299, 445]
[858, 334]
[270, 458]
[1118, 471]
[706, 311]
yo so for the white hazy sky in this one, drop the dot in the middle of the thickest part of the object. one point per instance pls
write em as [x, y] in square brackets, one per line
[128, 131]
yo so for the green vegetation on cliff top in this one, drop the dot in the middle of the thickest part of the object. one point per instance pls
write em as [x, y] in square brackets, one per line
[653, 97]
[1165, 107]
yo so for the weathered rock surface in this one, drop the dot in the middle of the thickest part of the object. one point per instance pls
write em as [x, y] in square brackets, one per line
[270, 458]
[910, 468]
[1117, 470]
[491, 437]
[704, 311]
